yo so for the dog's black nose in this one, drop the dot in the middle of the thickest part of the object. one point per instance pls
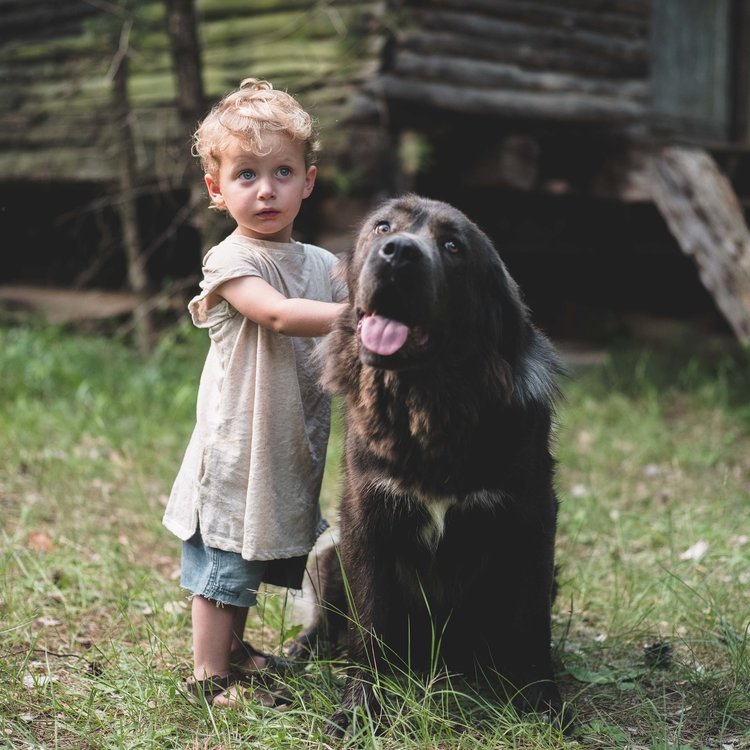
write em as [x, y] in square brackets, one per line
[399, 251]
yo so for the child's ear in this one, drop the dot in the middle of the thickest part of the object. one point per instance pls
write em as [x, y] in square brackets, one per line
[214, 190]
[310, 180]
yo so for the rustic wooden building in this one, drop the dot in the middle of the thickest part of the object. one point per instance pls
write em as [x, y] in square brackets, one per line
[61, 135]
[591, 138]
[588, 126]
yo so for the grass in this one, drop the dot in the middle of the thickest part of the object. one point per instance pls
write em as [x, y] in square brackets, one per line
[651, 623]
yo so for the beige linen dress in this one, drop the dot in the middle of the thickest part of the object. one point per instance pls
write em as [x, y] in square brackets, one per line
[252, 470]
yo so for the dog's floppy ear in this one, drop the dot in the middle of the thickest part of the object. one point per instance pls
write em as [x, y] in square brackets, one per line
[506, 317]
[524, 362]
[341, 272]
[514, 315]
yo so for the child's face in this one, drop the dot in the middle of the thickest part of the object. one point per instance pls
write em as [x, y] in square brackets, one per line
[263, 194]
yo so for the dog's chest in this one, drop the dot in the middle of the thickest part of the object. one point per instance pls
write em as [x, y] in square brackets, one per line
[431, 513]
[432, 529]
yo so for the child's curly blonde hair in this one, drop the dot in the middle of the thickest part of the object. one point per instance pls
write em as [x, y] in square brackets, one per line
[254, 108]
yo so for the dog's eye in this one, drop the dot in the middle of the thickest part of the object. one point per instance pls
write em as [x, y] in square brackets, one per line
[452, 247]
[382, 227]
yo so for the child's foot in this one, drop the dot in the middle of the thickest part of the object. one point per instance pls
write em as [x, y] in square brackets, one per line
[231, 691]
[238, 694]
[232, 697]
[212, 690]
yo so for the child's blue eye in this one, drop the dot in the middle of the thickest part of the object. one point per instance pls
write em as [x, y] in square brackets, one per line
[247, 174]
[284, 171]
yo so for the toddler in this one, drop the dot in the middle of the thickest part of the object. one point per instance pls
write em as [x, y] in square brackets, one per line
[246, 499]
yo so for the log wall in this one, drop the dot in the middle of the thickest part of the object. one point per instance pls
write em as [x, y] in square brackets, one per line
[55, 76]
[365, 61]
[573, 60]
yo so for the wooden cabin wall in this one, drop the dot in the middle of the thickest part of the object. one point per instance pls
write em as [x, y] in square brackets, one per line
[508, 108]
[517, 109]
[569, 60]
[368, 65]
[56, 117]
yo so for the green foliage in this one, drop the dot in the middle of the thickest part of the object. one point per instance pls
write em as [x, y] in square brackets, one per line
[651, 624]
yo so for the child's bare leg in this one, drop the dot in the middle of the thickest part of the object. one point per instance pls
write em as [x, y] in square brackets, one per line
[255, 661]
[213, 626]
[216, 629]
[238, 627]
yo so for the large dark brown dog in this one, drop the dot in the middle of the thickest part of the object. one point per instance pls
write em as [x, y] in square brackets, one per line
[448, 511]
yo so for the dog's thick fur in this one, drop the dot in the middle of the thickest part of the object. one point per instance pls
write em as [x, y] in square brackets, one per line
[448, 511]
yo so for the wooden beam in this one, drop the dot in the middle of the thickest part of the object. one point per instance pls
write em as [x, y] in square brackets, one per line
[624, 176]
[580, 41]
[496, 75]
[705, 217]
[568, 106]
[552, 13]
[560, 57]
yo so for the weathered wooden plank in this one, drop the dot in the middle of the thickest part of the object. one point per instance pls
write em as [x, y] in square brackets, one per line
[483, 74]
[222, 8]
[157, 125]
[624, 176]
[474, 26]
[42, 97]
[705, 217]
[549, 14]
[310, 25]
[58, 49]
[690, 66]
[519, 104]
[636, 8]
[42, 19]
[322, 50]
[519, 51]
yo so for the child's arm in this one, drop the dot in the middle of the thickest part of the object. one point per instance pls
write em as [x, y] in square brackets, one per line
[257, 300]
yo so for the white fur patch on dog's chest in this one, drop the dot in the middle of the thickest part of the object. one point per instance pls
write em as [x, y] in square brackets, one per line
[434, 528]
[436, 506]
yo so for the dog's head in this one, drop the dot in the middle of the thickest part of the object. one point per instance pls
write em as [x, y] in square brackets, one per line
[426, 284]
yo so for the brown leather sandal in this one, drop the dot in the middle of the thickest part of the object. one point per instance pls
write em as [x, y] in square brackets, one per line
[242, 661]
[208, 690]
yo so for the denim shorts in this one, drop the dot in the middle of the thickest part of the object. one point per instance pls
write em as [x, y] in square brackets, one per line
[228, 578]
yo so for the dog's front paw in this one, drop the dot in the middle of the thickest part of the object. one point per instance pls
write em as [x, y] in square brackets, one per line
[358, 705]
[560, 716]
[338, 723]
[543, 698]
[301, 649]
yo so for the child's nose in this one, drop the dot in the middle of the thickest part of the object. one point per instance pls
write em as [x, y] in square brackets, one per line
[265, 188]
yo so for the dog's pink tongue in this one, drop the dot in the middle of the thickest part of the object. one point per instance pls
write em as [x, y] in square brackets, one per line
[382, 335]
